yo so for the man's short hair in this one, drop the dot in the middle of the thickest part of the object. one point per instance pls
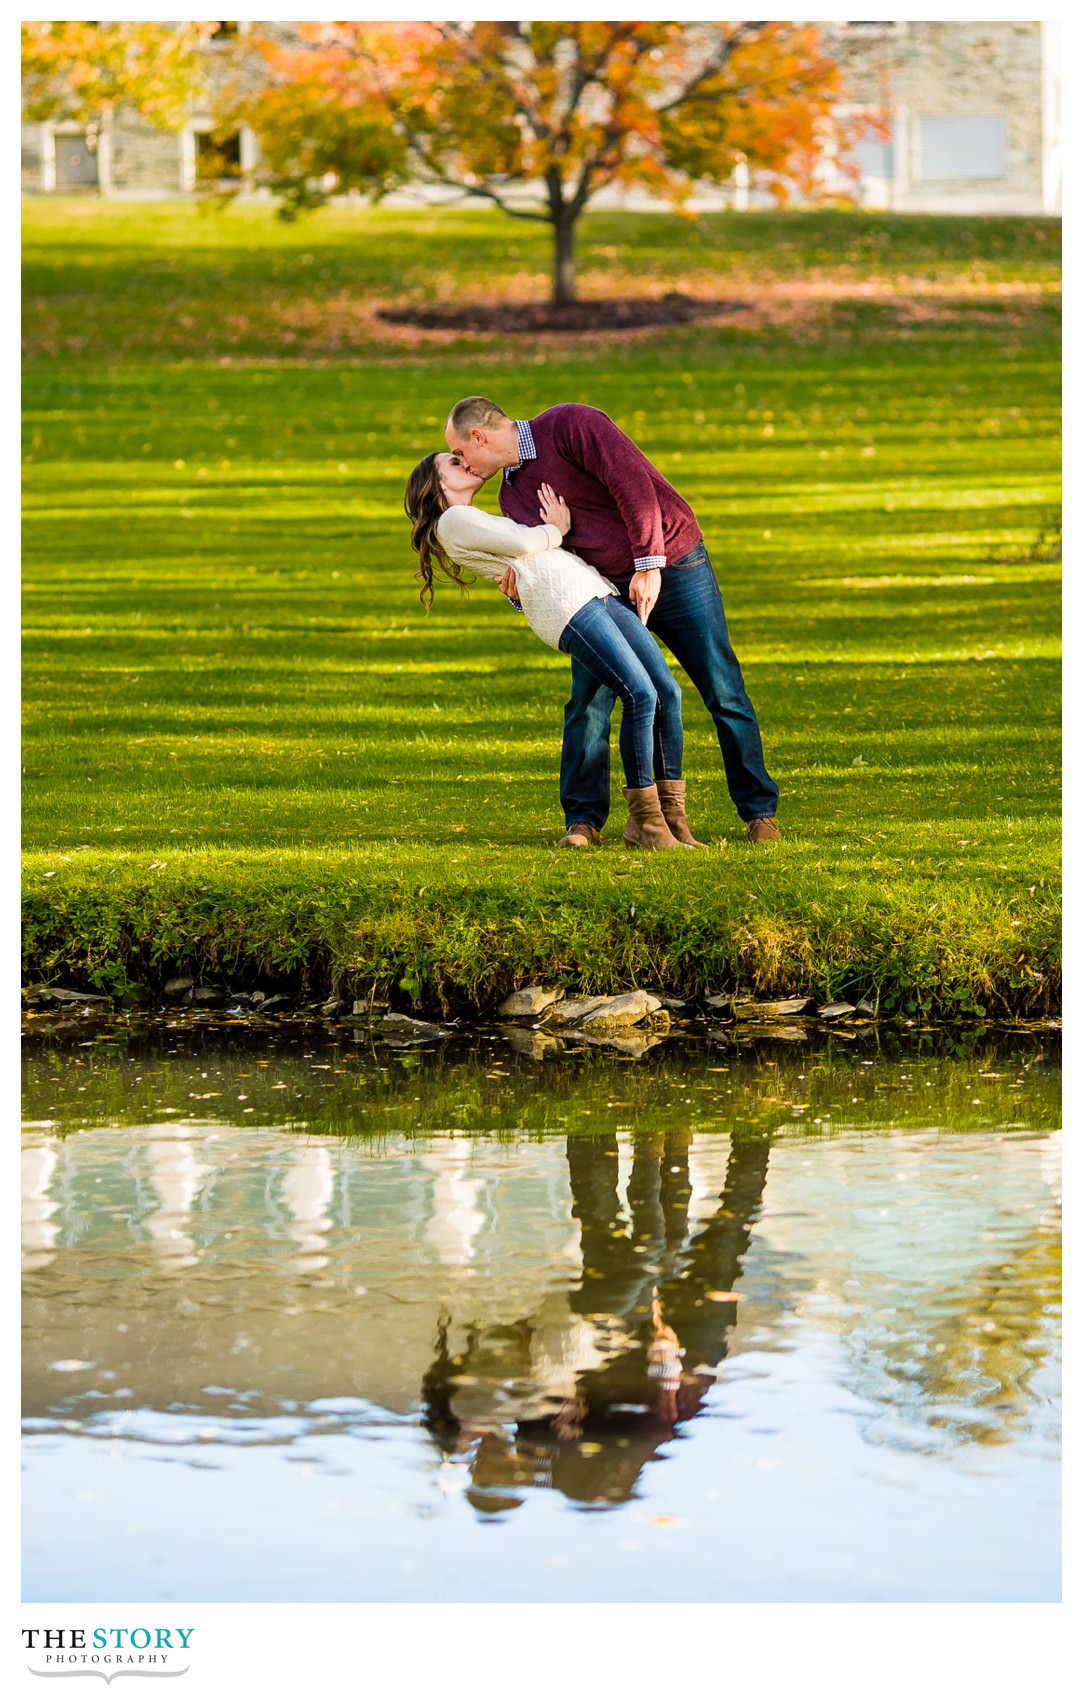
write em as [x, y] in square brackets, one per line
[474, 411]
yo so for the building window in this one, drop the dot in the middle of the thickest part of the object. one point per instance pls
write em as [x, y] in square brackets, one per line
[218, 157]
[962, 147]
[875, 158]
[878, 26]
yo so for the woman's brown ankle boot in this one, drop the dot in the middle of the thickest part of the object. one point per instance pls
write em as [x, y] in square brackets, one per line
[671, 801]
[647, 829]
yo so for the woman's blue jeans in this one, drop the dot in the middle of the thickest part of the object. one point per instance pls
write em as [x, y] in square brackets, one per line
[690, 620]
[610, 641]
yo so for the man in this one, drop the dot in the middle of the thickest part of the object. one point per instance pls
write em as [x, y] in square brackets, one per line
[633, 526]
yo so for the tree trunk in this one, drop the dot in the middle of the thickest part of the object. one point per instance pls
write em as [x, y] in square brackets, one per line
[563, 262]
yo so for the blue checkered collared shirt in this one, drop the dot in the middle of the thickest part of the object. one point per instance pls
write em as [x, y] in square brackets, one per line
[528, 451]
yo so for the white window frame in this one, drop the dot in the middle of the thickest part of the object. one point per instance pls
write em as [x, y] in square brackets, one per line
[203, 127]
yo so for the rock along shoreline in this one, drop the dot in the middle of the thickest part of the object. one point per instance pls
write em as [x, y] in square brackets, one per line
[633, 1021]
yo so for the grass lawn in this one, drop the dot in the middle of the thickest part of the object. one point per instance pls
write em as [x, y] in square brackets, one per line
[249, 753]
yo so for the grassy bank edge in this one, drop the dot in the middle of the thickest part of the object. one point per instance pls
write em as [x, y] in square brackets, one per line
[460, 949]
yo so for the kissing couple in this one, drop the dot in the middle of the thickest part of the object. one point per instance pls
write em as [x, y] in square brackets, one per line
[639, 567]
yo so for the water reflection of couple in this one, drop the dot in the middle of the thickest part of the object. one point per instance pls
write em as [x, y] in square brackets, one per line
[574, 470]
[580, 1394]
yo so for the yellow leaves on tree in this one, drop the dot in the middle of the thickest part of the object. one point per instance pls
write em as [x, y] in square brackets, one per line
[81, 71]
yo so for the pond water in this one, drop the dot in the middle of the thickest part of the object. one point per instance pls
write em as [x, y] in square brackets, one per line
[314, 1319]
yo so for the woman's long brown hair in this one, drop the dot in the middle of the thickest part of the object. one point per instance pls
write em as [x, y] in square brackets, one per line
[424, 503]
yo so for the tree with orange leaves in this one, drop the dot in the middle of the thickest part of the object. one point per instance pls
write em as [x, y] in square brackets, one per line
[538, 117]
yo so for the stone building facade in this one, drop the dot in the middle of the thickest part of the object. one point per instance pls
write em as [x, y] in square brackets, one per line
[127, 157]
[972, 112]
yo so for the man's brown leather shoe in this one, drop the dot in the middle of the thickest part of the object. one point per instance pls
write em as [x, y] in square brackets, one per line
[579, 836]
[762, 830]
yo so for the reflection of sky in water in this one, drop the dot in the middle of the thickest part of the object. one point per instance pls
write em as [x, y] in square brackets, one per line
[940, 1267]
[266, 1365]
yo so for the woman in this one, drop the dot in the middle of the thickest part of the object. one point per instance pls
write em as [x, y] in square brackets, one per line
[574, 609]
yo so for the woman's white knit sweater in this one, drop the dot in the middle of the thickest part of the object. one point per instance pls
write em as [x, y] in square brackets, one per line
[553, 583]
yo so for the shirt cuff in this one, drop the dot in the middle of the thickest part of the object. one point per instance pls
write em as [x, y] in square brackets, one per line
[646, 563]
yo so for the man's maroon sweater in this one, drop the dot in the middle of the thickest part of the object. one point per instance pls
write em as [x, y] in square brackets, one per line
[623, 511]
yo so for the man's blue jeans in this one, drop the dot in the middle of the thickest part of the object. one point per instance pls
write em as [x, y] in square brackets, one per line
[690, 620]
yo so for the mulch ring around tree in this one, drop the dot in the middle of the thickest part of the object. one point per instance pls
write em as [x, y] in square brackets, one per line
[511, 317]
